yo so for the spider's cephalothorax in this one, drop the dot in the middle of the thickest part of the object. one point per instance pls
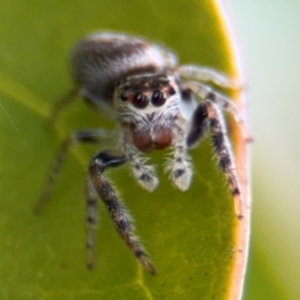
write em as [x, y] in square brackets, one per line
[153, 101]
[147, 106]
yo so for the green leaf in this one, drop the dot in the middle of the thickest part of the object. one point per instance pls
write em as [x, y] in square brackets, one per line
[194, 239]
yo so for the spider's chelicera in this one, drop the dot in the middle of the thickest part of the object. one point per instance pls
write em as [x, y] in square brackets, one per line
[154, 102]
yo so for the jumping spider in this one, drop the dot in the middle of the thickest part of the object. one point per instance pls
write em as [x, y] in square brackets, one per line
[154, 105]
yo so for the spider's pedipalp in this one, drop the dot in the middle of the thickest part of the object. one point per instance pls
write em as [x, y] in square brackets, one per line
[144, 174]
[179, 165]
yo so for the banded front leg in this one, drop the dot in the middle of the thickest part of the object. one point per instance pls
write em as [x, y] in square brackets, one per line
[118, 214]
[208, 115]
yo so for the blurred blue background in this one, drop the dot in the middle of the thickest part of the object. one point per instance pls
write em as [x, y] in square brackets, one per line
[268, 34]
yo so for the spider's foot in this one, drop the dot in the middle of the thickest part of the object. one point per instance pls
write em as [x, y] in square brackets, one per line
[150, 268]
[146, 177]
[180, 172]
[181, 178]
[145, 261]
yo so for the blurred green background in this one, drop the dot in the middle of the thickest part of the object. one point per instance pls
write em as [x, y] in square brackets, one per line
[268, 34]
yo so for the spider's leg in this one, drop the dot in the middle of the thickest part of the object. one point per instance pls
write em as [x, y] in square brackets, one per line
[62, 103]
[87, 136]
[209, 115]
[179, 166]
[117, 212]
[91, 222]
[207, 74]
[144, 174]
[206, 93]
[222, 148]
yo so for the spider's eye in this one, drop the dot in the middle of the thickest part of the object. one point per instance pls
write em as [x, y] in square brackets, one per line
[158, 98]
[172, 91]
[140, 100]
[123, 97]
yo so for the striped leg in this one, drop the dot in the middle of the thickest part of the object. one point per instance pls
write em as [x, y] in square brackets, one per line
[86, 136]
[208, 114]
[62, 103]
[117, 212]
[90, 222]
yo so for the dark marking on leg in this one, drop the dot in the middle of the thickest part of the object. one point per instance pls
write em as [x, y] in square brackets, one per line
[235, 192]
[111, 205]
[218, 141]
[211, 96]
[139, 253]
[178, 173]
[145, 177]
[219, 99]
[89, 136]
[91, 221]
[186, 95]
[92, 203]
[225, 162]
[214, 123]
[123, 226]
[106, 159]
[199, 125]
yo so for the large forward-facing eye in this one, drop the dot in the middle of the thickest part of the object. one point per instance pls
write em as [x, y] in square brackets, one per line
[158, 98]
[140, 100]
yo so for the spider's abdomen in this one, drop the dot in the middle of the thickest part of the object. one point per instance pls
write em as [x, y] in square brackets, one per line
[102, 60]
